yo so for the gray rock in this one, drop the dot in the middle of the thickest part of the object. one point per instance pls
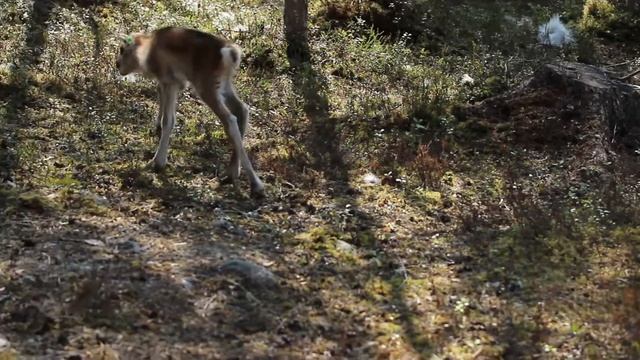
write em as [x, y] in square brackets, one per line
[187, 283]
[239, 231]
[251, 273]
[94, 242]
[228, 226]
[99, 200]
[371, 179]
[345, 246]
[4, 343]
[223, 224]
[129, 245]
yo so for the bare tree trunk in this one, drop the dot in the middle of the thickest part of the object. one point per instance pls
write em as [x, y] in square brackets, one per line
[295, 30]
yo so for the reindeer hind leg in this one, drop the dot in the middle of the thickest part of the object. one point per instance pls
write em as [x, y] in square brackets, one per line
[241, 111]
[161, 110]
[214, 98]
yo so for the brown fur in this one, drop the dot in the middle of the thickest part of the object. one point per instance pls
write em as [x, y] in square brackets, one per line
[177, 56]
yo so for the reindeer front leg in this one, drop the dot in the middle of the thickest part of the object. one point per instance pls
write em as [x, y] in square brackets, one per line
[169, 95]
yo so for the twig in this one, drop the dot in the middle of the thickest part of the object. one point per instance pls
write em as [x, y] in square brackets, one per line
[619, 64]
[627, 77]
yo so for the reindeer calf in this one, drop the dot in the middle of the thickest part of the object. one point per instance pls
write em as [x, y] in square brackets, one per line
[177, 56]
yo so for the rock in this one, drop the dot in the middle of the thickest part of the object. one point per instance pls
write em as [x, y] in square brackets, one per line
[467, 80]
[252, 273]
[371, 179]
[33, 320]
[345, 246]
[223, 224]
[99, 200]
[129, 245]
[4, 343]
[239, 231]
[131, 78]
[228, 226]
[94, 242]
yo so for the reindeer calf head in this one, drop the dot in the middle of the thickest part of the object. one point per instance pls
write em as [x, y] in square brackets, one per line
[129, 57]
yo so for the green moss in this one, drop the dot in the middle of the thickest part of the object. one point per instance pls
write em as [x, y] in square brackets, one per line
[84, 200]
[323, 239]
[497, 188]
[365, 239]
[417, 285]
[627, 235]
[432, 198]
[472, 129]
[378, 289]
[450, 178]
[388, 328]
[597, 15]
[66, 181]
[33, 201]
[314, 235]
[219, 134]
[8, 355]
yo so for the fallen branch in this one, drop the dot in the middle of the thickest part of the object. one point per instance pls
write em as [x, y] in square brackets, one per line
[627, 77]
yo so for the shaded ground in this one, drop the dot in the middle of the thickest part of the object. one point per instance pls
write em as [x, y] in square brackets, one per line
[523, 244]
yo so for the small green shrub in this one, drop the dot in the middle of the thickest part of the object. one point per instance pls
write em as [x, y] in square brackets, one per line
[597, 15]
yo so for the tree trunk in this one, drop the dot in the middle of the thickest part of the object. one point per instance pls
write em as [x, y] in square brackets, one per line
[617, 102]
[295, 30]
[590, 90]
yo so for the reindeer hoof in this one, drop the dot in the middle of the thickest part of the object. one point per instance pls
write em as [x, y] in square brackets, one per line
[257, 192]
[155, 166]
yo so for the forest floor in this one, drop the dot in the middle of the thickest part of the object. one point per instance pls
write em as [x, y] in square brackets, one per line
[513, 234]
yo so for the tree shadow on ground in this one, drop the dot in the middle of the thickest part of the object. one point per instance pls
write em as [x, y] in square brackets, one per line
[109, 280]
[16, 91]
[537, 244]
[323, 143]
[17, 88]
[323, 138]
[52, 256]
